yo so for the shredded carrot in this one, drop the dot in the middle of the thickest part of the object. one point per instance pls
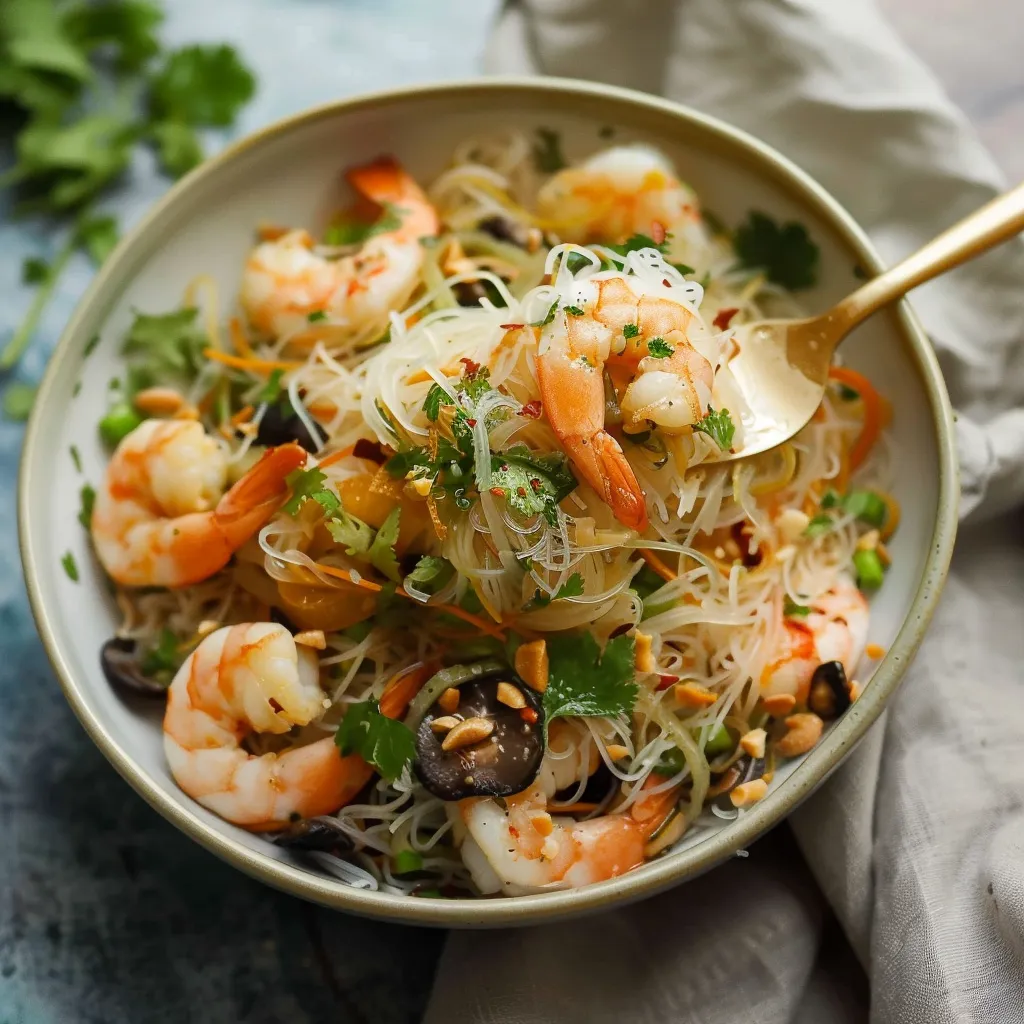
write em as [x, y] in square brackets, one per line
[404, 686]
[657, 565]
[872, 411]
[243, 415]
[253, 364]
[238, 338]
[345, 574]
[843, 476]
[336, 457]
[892, 515]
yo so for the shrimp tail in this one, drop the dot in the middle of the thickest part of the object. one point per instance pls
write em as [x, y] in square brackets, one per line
[603, 465]
[386, 183]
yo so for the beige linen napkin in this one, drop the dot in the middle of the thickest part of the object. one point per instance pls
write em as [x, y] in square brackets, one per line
[918, 841]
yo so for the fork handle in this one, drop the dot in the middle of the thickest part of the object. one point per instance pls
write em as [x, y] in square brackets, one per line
[996, 222]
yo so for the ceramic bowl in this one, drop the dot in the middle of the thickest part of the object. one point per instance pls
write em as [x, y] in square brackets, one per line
[289, 173]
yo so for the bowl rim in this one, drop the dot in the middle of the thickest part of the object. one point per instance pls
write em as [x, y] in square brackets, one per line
[657, 875]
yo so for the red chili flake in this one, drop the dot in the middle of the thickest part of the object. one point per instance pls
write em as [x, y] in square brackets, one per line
[498, 492]
[521, 491]
[657, 232]
[504, 467]
[513, 831]
[532, 409]
[664, 682]
[535, 484]
[369, 450]
[471, 423]
[666, 282]
[724, 317]
[273, 703]
[528, 715]
[470, 366]
[511, 327]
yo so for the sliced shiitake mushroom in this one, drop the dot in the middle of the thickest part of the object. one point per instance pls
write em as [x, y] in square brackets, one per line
[503, 762]
[505, 230]
[322, 834]
[744, 769]
[119, 659]
[281, 426]
[829, 695]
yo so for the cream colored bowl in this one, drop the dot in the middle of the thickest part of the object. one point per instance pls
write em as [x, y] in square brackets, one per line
[289, 174]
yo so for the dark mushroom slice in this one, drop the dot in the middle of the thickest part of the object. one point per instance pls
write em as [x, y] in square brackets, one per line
[744, 769]
[282, 426]
[119, 659]
[505, 758]
[505, 230]
[829, 695]
[324, 835]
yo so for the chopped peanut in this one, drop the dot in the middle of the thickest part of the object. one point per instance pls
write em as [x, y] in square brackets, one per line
[312, 638]
[802, 732]
[644, 657]
[874, 651]
[420, 486]
[616, 751]
[791, 524]
[466, 733]
[449, 700]
[159, 401]
[853, 690]
[511, 696]
[869, 541]
[690, 695]
[541, 821]
[444, 724]
[753, 742]
[532, 664]
[187, 412]
[780, 704]
[748, 792]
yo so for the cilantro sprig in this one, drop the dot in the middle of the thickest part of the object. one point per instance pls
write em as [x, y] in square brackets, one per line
[532, 483]
[659, 348]
[572, 587]
[784, 252]
[718, 426]
[385, 743]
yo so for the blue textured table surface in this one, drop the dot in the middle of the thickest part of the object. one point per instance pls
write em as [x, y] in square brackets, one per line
[106, 912]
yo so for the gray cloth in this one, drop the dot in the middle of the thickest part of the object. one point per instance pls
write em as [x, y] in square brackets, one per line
[917, 842]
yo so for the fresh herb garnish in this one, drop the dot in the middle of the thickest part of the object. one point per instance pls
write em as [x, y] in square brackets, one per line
[718, 426]
[316, 316]
[818, 525]
[631, 331]
[356, 535]
[271, 390]
[792, 609]
[308, 485]
[784, 252]
[18, 399]
[76, 458]
[431, 574]
[549, 316]
[70, 566]
[98, 236]
[34, 270]
[532, 483]
[671, 762]
[574, 311]
[386, 744]
[867, 506]
[659, 348]
[583, 681]
[355, 232]
[436, 397]
[572, 587]
[164, 345]
[381, 553]
[88, 499]
[636, 242]
[547, 151]
[165, 657]
[869, 568]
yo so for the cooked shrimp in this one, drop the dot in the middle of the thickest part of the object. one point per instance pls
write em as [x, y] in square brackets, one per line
[161, 517]
[835, 630]
[620, 192]
[285, 280]
[670, 389]
[520, 848]
[242, 679]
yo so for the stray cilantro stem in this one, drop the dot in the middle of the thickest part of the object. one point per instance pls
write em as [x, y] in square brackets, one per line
[21, 337]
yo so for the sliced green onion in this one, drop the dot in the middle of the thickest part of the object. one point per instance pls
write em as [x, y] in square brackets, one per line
[671, 762]
[719, 741]
[867, 506]
[119, 423]
[407, 861]
[870, 571]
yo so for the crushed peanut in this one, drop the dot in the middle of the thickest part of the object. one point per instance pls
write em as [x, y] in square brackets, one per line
[802, 732]
[531, 663]
[511, 696]
[616, 751]
[868, 541]
[748, 792]
[466, 733]
[753, 742]
[853, 690]
[312, 638]
[444, 724]
[449, 700]
[779, 704]
[642, 648]
[187, 412]
[420, 486]
[159, 401]
[791, 523]
[690, 695]
[542, 823]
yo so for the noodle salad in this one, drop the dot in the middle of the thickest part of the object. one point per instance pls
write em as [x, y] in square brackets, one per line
[431, 550]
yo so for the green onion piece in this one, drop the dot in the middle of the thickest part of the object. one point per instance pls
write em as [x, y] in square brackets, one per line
[870, 571]
[119, 423]
[719, 741]
[867, 506]
[407, 861]
[671, 762]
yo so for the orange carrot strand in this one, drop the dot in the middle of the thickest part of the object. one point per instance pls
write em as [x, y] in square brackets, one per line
[872, 411]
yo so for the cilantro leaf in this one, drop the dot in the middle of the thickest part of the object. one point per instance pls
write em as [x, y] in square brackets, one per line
[818, 525]
[401, 462]
[630, 331]
[532, 483]
[70, 566]
[316, 316]
[659, 348]
[18, 399]
[88, 498]
[792, 609]
[271, 391]
[784, 252]
[308, 485]
[381, 553]
[431, 574]
[34, 270]
[636, 242]
[356, 535]
[867, 506]
[475, 385]
[166, 656]
[165, 344]
[436, 397]
[719, 427]
[38, 39]
[124, 26]
[355, 232]
[572, 587]
[547, 151]
[98, 236]
[548, 317]
[582, 681]
[201, 85]
[177, 146]
[385, 743]
[574, 311]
